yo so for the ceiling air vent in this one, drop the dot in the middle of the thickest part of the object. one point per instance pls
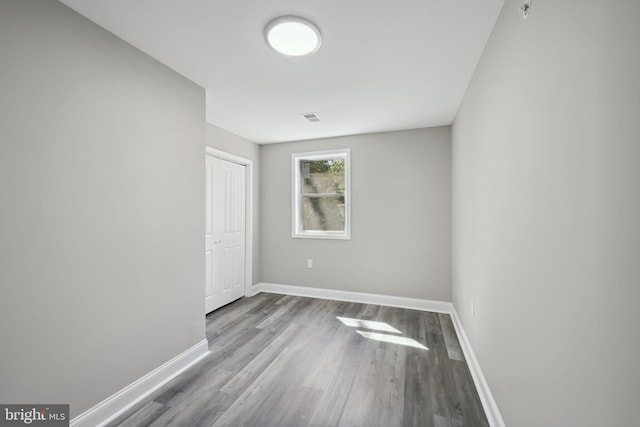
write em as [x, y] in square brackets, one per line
[311, 117]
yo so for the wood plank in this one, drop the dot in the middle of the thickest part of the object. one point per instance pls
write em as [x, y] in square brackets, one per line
[472, 410]
[440, 421]
[146, 415]
[431, 322]
[450, 338]
[417, 408]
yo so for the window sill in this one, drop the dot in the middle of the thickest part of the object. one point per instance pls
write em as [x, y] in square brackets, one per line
[309, 235]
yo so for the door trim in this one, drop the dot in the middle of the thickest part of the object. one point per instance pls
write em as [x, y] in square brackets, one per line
[248, 244]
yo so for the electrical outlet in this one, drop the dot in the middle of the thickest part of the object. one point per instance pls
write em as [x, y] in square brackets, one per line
[473, 308]
[309, 263]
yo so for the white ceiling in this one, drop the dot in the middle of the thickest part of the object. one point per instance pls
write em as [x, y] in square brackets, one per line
[383, 65]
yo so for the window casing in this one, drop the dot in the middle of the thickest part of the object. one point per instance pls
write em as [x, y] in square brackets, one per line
[322, 195]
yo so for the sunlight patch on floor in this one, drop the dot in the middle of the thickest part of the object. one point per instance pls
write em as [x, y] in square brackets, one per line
[368, 324]
[394, 339]
[378, 336]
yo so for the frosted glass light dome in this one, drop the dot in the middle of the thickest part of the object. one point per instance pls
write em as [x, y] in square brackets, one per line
[292, 36]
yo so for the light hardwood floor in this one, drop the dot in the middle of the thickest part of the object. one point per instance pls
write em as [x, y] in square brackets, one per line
[291, 362]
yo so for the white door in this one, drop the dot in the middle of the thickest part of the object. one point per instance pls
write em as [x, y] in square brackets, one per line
[224, 232]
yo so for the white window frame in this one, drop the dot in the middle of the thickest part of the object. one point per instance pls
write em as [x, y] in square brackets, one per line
[297, 231]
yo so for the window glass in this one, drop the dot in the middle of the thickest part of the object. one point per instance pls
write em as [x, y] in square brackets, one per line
[321, 194]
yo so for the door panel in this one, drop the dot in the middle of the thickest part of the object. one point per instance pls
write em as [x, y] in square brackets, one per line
[225, 239]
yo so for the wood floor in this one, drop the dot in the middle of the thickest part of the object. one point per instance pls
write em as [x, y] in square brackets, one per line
[292, 362]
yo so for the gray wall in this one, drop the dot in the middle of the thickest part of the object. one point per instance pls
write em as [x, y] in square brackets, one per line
[101, 183]
[233, 144]
[547, 213]
[401, 217]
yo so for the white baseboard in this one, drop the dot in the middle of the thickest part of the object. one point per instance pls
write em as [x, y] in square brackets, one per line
[254, 290]
[363, 298]
[114, 405]
[486, 397]
[488, 402]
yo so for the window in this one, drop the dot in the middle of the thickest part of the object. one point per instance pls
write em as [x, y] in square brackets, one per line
[321, 195]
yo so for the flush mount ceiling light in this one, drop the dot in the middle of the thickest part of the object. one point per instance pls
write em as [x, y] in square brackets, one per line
[292, 36]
